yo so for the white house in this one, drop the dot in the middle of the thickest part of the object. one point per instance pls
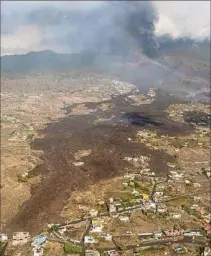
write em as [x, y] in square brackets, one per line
[20, 238]
[192, 233]
[196, 185]
[158, 193]
[96, 229]
[89, 240]
[78, 163]
[187, 182]
[161, 208]
[3, 238]
[93, 213]
[148, 205]
[158, 234]
[92, 253]
[62, 230]
[196, 198]
[112, 209]
[208, 173]
[207, 251]
[107, 237]
[175, 215]
[124, 219]
[113, 253]
[145, 235]
[38, 251]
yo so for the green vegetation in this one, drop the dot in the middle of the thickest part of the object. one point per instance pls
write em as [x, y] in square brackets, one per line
[199, 250]
[196, 215]
[131, 184]
[124, 196]
[203, 232]
[70, 248]
[179, 201]
[165, 191]
[3, 246]
[187, 208]
[102, 208]
[180, 143]
[144, 189]
[100, 239]
[55, 227]
[136, 184]
[127, 203]
[152, 249]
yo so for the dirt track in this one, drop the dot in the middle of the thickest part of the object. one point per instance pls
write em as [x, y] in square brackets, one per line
[109, 146]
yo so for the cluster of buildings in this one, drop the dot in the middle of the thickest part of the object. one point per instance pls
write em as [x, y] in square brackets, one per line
[20, 238]
[96, 253]
[168, 233]
[149, 194]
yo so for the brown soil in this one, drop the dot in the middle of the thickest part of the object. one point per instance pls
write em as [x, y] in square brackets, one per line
[109, 145]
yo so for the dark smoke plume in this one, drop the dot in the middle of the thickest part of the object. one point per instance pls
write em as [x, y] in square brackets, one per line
[131, 25]
[140, 21]
[109, 28]
[114, 27]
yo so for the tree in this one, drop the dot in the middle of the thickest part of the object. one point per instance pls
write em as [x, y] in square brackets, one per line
[136, 184]
[70, 248]
[187, 208]
[55, 227]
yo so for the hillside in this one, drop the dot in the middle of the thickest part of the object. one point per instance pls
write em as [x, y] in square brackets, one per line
[172, 53]
[41, 61]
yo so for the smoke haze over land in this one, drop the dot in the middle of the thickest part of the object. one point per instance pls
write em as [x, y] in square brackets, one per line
[99, 26]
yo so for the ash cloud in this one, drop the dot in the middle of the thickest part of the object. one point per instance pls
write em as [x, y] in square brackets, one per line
[183, 19]
[108, 28]
[113, 27]
[102, 28]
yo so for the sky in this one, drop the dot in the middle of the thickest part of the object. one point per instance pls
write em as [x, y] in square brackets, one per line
[22, 30]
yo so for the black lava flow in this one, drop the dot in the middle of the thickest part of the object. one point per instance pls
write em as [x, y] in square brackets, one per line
[199, 118]
[139, 119]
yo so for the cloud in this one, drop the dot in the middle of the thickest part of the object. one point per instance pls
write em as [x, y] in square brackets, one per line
[37, 25]
[100, 29]
[25, 39]
[71, 26]
[184, 18]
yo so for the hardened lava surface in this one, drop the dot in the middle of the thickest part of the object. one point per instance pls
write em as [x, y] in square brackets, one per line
[109, 145]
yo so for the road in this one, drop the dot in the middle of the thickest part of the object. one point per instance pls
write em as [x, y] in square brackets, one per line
[164, 242]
